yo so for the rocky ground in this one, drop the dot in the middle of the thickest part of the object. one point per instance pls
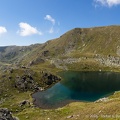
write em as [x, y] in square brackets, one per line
[5, 114]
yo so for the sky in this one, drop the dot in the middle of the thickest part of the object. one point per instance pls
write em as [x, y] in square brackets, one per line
[26, 22]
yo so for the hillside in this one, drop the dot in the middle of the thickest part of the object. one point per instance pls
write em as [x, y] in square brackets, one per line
[99, 46]
[27, 69]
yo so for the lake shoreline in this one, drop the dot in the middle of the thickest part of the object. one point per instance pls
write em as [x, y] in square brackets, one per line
[77, 87]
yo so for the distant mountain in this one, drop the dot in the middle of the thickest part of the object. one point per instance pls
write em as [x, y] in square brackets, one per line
[11, 54]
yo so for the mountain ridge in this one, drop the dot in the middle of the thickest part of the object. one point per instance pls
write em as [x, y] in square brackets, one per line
[75, 43]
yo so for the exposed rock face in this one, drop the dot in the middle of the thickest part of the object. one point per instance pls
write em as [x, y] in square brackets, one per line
[61, 64]
[26, 83]
[110, 61]
[50, 78]
[45, 53]
[5, 114]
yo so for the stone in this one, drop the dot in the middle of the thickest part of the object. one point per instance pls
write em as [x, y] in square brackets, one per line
[5, 114]
[24, 102]
[68, 117]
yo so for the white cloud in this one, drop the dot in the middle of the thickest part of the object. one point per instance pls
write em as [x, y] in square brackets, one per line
[109, 3]
[48, 17]
[2, 30]
[27, 30]
[54, 23]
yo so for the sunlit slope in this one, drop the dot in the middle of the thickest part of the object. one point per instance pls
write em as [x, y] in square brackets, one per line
[76, 43]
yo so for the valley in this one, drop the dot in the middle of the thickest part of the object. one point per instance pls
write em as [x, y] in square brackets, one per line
[25, 70]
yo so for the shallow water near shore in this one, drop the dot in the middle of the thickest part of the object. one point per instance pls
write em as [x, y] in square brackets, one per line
[78, 86]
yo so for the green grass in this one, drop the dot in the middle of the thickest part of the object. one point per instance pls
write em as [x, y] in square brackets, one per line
[78, 110]
[78, 43]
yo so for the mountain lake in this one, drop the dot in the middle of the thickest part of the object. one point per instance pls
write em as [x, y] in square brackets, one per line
[78, 86]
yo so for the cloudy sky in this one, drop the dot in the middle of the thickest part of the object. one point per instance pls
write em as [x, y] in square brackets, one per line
[25, 22]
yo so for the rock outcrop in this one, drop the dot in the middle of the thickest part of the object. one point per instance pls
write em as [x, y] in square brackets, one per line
[5, 114]
[50, 78]
[25, 83]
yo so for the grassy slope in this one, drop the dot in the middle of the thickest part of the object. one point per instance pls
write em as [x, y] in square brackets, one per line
[76, 43]
[79, 110]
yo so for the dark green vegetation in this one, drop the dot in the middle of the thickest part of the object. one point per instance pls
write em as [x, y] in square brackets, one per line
[26, 69]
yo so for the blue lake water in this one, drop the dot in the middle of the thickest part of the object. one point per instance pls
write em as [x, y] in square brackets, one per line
[78, 86]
